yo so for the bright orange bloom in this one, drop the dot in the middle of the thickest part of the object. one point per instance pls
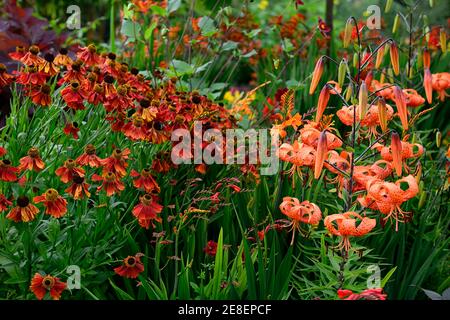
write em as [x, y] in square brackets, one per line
[74, 96]
[40, 285]
[131, 267]
[89, 157]
[387, 197]
[413, 99]
[68, 170]
[385, 90]
[111, 183]
[117, 162]
[428, 85]
[62, 59]
[310, 135]
[48, 66]
[7, 172]
[89, 55]
[3, 151]
[31, 57]
[400, 102]
[41, 95]
[32, 161]
[408, 151]
[346, 226]
[145, 180]
[79, 188]
[368, 294]
[147, 210]
[71, 129]
[135, 129]
[321, 153]
[5, 77]
[24, 211]
[393, 51]
[440, 83]
[316, 75]
[300, 212]
[4, 203]
[55, 205]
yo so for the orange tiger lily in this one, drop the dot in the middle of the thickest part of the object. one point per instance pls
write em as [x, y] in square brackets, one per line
[408, 151]
[346, 227]
[440, 83]
[413, 99]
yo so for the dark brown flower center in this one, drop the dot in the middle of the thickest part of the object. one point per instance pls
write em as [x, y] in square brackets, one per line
[90, 149]
[108, 79]
[69, 164]
[34, 49]
[23, 201]
[6, 162]
[77, 179]
[49, 57]
[92, 48]
[75, 86]
[45, 89]
[130, 262]
[48, 282]
[33, 152]
[63, 51]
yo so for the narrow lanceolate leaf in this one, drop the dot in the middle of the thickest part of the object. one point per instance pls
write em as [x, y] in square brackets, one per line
[396, 147]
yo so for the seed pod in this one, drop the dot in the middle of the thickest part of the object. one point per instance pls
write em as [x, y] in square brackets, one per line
[363, 96]
[380, 56]
[438, 139]
[443, 40]
[317, 74]
[394, 58]
[341, 72]
[348, 32]
[396, 23]
[388, 6]
[382, 114]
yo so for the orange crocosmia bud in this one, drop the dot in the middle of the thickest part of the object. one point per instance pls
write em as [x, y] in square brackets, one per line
[324, 97]
[426, 58]
[396, 147]
[322, 149]
[428, 85]
[394, 58]
[400, 101]
[317, 74]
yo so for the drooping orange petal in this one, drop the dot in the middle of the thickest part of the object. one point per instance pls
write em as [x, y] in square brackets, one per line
[428, 85]
[321, 153]
[396, 148]
[324, 97]
[400, 101]
[317, 74]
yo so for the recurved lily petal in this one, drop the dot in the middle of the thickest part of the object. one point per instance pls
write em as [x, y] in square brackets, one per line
[322, 149]
[396, 147]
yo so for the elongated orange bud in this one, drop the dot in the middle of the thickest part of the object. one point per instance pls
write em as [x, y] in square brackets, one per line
[443, 40]
[348, 32]
[324, 97]
[400, 102]
[322, 149]
[427, 84]
[394, 58]
[382, 116]
[426, 58]
[362, 100]
[380, 56]
[396, 148]
[317, 74]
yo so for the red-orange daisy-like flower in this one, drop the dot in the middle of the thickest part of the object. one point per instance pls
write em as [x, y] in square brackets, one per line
[89, 55]
[40, 285]
[79, 188]
[111, 183]
[7, 171]
[90, 158]
[55, 205]
[32, 57]
[368, 294]
[4, 203]
[41, 95]
[323, 28]
[117, 162]
[74, 96]
[135, 129]
[145, 180]
[211, 248]
[68, 170]
[24, 210]
[62, 59]
[3, 151]
[71, 129]
[32, 161]
[5, 77]
[147, 210]
[48, 66]
[131, 267]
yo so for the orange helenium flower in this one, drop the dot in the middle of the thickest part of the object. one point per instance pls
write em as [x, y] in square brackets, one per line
[145, 180]
[117, 162]
[147, 210]
[7, 172]
[131, 267]
[40, 285]
[55, 205]
[78, 188]
[68, 170]
[346, 226]
[90, 158]
[111, 183]
[24, 211]
[32, 161]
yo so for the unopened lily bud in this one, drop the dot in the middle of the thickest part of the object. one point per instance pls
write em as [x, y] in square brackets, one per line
[322, 150]
[426, 58]
[438, 138]
[396, 23]
[418, 175]
[324, 97]
[388, 6]
[411, 71]
[317, 74]
[421, 185]
[443, 40]
[396, 148]
[382, 76]
[390, 75]
[349, 92]
[428, 85]
[431, 3]
[363, 96]
[400, 102]
[380, 56]
[382, 114]
[342, 71]
[394, 58]
[427, 34]
[348, 32]
[422, 199]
